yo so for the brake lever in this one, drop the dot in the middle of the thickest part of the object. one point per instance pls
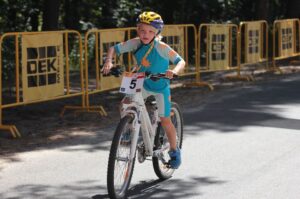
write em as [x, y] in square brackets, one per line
[156, 77]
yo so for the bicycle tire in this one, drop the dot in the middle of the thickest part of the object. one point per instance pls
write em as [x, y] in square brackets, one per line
[120, 143]
[161, 170]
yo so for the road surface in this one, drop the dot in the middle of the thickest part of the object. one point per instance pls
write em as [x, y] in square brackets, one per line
[240, 143]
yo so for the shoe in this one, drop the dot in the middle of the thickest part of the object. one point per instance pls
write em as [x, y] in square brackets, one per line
[175, 158]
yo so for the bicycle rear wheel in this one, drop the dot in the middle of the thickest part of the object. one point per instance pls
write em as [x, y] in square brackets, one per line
[120, 166]
[161, 141]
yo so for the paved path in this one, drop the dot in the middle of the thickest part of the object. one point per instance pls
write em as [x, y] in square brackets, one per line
[241, 143]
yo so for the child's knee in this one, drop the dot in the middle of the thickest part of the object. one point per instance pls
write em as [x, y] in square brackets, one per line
[165, 121]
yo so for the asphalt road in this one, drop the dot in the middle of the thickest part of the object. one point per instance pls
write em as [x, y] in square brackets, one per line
[240, 143]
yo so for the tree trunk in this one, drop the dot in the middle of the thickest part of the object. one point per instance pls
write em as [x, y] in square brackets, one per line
[34, 15]
[262, 8]
[167, 11]
[71, 19]
[50, 15]
[12, 25]
[293, 9]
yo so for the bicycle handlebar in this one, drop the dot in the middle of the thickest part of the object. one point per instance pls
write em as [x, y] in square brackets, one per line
[117, 71]
[157, 76]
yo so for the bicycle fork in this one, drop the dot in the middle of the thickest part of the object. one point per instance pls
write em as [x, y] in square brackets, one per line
[140, 121]
[136, 125]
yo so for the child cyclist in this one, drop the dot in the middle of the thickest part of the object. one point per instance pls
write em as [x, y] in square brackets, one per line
[153, 55]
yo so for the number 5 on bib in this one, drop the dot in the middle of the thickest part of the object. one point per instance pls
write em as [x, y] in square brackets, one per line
[132, 83]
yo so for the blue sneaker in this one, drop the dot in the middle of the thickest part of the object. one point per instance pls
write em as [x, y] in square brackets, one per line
[175, 158]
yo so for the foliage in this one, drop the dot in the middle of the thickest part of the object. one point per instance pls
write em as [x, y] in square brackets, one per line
[27, 15]
[126, 13]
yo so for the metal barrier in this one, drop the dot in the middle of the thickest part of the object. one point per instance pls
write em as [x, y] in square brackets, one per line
[100, 41]
[252, 46]
[215, 43]
[219, 46]
[183, 39]
[44, 70]
[46, 59]
[285, 33]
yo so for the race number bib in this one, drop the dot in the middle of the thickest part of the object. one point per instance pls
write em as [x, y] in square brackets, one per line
[132, 83]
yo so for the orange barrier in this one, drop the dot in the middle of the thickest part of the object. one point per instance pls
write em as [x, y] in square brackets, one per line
[285, 33]
[252, 46]
[100, 41]
[215, 43]
[45, 69]
[183, 39]
[44, 73]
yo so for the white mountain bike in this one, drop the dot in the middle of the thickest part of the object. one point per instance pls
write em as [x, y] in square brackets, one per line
[139, 133]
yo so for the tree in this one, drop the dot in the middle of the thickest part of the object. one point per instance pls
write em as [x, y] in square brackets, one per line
[293, 9]
[262, 10]
[71, 9]
[50, 14]
[34, 15]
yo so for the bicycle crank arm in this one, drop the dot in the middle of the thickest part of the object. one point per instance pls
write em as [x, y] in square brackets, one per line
[158, 153]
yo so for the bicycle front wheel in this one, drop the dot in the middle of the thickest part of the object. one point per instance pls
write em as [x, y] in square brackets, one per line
[161, 142]
[120, 166]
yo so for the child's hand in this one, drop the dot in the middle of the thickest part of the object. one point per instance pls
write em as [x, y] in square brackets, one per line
[106, 67]
[170, 74]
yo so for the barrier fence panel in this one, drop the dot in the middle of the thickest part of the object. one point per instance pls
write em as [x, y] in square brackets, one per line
[286, 38]
[183, 39]
[217, 50]
[252, 45]
[219, 46]
[97, 43]
[47, 69]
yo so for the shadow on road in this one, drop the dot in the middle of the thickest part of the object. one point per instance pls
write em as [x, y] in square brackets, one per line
[36, 191]
[253, 105]
[172, 188]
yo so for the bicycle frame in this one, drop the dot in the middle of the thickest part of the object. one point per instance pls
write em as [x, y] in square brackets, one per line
[141, 120]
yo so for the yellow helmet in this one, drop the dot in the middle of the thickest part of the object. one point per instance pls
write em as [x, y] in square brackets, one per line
[152, 19]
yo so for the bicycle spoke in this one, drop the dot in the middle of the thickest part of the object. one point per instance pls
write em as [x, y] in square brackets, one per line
[160, 163]
[120, 165]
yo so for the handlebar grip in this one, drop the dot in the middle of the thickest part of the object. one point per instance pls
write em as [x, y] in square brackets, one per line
[115, 71]
[164, 75]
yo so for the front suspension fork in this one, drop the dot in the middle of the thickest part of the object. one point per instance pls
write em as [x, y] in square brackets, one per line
[136, 125]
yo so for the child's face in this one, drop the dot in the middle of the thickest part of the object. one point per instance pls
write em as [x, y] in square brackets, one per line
[146, 32]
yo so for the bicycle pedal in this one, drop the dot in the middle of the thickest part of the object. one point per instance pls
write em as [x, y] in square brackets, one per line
[168, 165]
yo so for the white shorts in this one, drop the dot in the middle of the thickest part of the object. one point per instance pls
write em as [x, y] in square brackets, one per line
[163, 100]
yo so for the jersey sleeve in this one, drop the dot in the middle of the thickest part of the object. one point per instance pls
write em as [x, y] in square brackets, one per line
[127, 46]
[167, 52]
